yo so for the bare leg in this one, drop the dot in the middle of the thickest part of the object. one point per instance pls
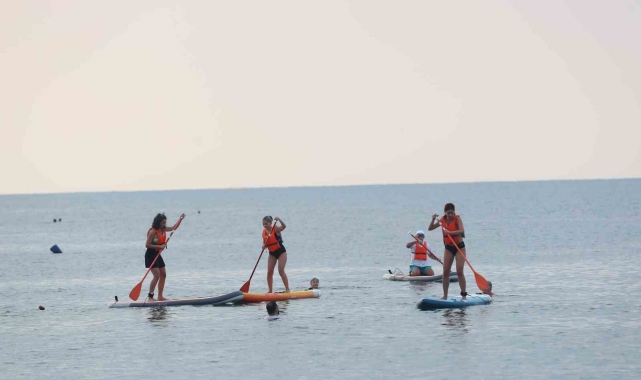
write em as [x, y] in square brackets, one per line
[161, 283]
[156, 273]
[415, 272]
[460, 263]
[429, 272]
[448, 259]
[271, 263]
[282, 261]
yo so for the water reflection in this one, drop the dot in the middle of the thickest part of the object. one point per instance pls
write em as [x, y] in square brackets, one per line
[282, 306]
[456, 318]
[419, 287]
[157, 314]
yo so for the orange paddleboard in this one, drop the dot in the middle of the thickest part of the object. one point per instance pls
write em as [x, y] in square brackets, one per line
[265, 297]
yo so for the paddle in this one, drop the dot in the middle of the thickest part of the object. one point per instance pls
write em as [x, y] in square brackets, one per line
[418, 241]
[135, 292]
[245, 287]
[481, 282]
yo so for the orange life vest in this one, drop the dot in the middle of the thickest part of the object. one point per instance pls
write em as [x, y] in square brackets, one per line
[273, 242]
[160, 238]
[453, 226]
[420, 251]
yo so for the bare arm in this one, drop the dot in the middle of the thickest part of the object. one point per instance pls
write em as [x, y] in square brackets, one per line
[434, 223]
[430, 254]
[410, 244]
[175, 226]
[282, 226]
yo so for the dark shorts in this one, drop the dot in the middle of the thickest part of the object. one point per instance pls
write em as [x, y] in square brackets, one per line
[278, 252]
[452, 248]
[150, 255]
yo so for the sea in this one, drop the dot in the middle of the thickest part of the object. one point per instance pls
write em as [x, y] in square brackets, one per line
[563, 257]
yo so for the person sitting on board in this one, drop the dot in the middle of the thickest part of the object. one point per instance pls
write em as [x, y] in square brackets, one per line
[313, 283]
[156, 238]
[273, 241]
[420, 250]
[272, 311]
[453, 230]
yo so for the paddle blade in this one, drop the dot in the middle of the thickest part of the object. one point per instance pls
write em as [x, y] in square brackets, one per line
[481, 282]
[245, 287]
[135, 292]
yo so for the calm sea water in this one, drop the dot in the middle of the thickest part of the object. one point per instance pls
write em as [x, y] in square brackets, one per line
[562, 255]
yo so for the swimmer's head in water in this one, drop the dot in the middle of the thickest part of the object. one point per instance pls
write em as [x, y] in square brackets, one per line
[272, 308]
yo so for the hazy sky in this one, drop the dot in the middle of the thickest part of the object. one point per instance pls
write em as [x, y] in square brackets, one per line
[142, 95]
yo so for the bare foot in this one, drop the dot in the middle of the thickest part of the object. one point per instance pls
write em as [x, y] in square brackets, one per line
[286, 290]
[160, 298]
[151, 299]
[463, 298]
[444, 297]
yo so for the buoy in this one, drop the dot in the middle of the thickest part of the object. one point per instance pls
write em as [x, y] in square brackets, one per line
[41, 307]
[60, 219]
[54, 220]
[55, 249]
[199, 211]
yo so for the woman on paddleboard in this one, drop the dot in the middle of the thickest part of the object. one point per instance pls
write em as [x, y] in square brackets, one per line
[273, 241]
[420, 250]
[452, 226]
[156, 243]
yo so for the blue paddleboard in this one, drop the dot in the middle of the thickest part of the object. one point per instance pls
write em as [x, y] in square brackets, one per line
[430, 303]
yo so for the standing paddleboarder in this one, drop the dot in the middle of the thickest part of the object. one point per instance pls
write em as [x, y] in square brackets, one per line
[453, 229]
[156, 243]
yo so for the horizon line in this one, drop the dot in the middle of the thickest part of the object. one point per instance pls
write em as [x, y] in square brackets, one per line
[320, 186]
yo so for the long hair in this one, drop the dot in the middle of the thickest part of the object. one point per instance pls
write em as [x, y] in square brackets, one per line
[157, 220]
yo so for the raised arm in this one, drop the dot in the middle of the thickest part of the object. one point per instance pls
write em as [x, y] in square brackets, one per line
[434, 223]
[410, 244]
[282, 225]
[175, 226]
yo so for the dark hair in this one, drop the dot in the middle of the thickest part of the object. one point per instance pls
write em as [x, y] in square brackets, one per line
[272, 308]
[268, 219]
[157, 220]
[448, 207]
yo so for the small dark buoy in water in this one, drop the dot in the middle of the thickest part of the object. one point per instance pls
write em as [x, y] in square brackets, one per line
[41, 307]
[60, 219]
[55, 249]
[199, 211]
[54, 220]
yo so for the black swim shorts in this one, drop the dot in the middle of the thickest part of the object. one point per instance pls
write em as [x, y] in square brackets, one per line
[452, 248]
[150, 255]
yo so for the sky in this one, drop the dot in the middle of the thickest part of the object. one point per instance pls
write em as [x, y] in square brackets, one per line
[159, 95]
